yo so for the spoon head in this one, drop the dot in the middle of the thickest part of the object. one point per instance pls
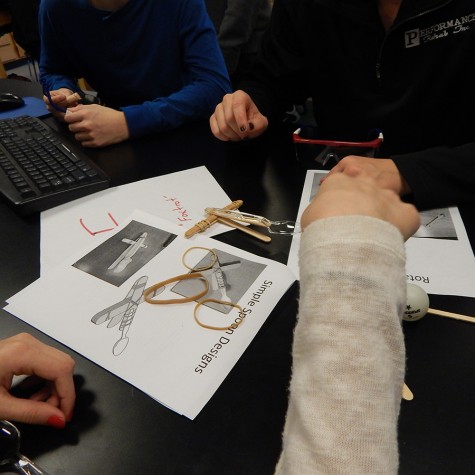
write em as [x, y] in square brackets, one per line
[284, 227]
[120, 346]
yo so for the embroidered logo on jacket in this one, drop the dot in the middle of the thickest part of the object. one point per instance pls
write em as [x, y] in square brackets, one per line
[438, 31]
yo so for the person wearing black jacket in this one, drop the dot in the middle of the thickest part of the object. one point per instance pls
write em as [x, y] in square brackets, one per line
[405, 67]
[239, 25]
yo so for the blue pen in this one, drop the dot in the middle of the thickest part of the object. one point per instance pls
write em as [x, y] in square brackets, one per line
[51, 103]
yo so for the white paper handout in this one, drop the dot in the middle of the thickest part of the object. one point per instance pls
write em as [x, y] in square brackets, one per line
[439, 256]
[179, 197]
[94, 304]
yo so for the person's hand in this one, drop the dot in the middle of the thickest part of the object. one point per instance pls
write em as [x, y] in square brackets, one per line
[58, 97]
[384, 171]
[97, 126]
[237, 118]
[360, 193]
[52, 404]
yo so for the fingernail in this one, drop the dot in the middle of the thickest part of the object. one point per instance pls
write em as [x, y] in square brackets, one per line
[56, 421]
[251, 126]
[242, 128]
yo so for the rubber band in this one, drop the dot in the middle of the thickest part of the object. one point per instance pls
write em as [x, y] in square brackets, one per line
[199, 269]
[211, 327]
[153, 288]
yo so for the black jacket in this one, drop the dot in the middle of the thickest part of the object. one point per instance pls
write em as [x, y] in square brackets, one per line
[416, 83]
[240, 25]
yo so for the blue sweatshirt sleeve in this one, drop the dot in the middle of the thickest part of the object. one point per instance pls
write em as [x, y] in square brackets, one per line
[53, 57]
[179, 78]
[206, 79]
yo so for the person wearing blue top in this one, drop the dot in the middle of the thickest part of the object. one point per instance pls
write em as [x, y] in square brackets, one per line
[156, 65]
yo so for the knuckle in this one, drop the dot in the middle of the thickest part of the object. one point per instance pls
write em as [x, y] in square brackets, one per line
[22, 342]
[25, 337]
[228, 98]
[353, 168]
[348, 160]
[68, 364]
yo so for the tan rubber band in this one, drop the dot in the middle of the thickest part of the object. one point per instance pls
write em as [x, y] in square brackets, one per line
[199, 269]
[177, 278]
[210, 327]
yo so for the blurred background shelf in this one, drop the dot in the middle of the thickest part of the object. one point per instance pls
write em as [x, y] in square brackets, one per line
[19, 39]
[21, 69]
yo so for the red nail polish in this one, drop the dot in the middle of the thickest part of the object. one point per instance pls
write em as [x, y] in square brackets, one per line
[56, 421]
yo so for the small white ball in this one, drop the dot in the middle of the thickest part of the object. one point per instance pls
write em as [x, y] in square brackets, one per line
[417, 303]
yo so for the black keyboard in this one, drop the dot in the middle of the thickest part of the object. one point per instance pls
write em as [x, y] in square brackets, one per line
[38, 170]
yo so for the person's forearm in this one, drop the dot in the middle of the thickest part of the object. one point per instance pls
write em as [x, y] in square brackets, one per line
[193, 102]
[348, 354]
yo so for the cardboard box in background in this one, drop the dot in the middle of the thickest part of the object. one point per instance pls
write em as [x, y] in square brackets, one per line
[9, 50]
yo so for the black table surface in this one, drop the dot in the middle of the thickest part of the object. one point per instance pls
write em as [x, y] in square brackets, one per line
[117, 429]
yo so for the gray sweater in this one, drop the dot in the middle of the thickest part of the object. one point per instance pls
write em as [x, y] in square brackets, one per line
[348, 350]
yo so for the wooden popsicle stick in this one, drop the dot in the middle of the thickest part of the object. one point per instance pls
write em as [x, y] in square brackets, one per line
[245, 229]
[206, 223]
[456, 316]
[74, 97]
[407, 393]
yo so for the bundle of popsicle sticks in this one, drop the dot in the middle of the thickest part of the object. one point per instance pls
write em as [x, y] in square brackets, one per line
[213, 218]
[231, 216]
